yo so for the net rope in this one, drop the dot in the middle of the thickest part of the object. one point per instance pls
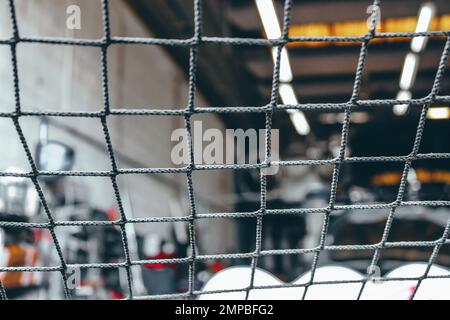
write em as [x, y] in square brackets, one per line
[191, 109]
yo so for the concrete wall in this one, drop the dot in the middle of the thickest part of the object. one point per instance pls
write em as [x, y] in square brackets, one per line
[66, 78]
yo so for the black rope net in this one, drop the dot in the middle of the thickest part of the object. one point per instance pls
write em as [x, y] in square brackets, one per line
[273, 105]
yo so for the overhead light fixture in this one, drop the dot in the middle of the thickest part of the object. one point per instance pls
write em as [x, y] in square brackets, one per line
[285, 66]
[271, 26]
[409, 71]
[407, 80]
[297, 117]
[272, 29]
[426, 15]
[411, 64]
[269, 18]
[401, 109]
[438, 113]
[300, 123]
[287, 94]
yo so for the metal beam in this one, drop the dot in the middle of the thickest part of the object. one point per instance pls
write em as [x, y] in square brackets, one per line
[339, 90]
[341, 61]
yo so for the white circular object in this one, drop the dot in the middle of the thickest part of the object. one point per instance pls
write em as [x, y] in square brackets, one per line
[239, 278]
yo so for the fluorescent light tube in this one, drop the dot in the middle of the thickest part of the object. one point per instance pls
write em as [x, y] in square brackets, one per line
[285, 66]
[401, 109]
[404, 95]
[272, 29]
[297, 117]
[287, 94]
[426, 15]
[269, 18]
[409, 71]
[300, 123]
[438, 113]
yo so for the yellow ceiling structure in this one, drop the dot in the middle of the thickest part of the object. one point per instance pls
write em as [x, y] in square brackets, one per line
[357, 28]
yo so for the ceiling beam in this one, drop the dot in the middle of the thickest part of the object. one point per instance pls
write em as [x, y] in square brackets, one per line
[335, 61]
[336, 91]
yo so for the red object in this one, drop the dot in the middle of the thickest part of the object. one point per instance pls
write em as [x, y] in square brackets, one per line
[159, 266]
[412, 289]
[217, 266]
[112, 214]
[37, 233]
[41, 235]
[117, 295]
